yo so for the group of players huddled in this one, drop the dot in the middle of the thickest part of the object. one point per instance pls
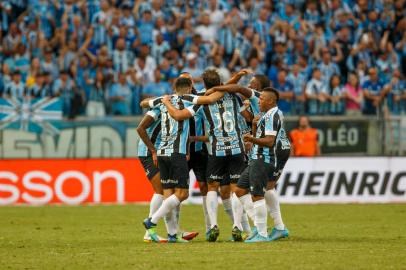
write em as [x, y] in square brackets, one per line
[233, 139]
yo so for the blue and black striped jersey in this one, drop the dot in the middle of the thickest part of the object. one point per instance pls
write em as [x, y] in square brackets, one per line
[197, 129]
[254, 100]
[269, 124]
[244, 126]
[154, 133]
[282, 141]
[174, 134]
[222, 124]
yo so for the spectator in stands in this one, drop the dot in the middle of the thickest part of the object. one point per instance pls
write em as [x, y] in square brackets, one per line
[286, 94]
[336, 95]
[159, 47]
[304, 139]
[22, 61]
[146, 27]
[192, 68]
[122, 57]
[120, 96]
[144, 65]
[373, 93]
[206, 29]
[168, 72]
[48, 63]
[327, 67]
[15, 88]
[96, 106]
[353, 96]
[397, 94]
[33, 72]
[298, 81]
[157, 87]
[63, 88]
[34, 90]
[316, 94]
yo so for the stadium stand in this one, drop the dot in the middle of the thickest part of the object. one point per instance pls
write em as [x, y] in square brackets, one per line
[101, 57]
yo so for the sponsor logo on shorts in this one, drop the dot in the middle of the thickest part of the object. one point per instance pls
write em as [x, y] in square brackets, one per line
[169, 181]
[235, 176]
[216, 177]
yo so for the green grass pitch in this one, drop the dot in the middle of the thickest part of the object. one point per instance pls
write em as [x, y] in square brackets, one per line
[110, 237]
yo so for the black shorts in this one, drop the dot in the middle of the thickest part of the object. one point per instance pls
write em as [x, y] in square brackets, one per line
[282, 156]
[150, 169]
[227, 168]
[174, 171]
[255, 177]
[198, 163]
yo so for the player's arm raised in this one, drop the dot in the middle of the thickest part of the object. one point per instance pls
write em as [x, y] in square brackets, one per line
[237, 77]
[145, 123]
[232, 88]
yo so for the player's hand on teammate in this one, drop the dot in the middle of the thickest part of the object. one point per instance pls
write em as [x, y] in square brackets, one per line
[248, 147]
[166, 99]
[256, 120]
[209, 92]
[247, 138]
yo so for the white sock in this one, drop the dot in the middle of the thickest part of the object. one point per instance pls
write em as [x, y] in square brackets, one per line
[237, 211]
[176, 216]
[167, 206]
[245, 223]
[212, 204]
[248, 205]
[171, 222]
[272, 202]
[261, 217]
[228, 208]
[156, 202]
[206, 215]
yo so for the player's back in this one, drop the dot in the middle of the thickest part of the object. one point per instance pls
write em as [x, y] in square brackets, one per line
[174, 134]
[222, 126]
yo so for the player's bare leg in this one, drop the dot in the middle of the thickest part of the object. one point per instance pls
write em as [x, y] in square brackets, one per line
[173, 198]
[225, 194]
[203, 191]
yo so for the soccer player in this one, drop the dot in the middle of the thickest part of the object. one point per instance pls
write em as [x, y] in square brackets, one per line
[263, 166]
[150, 125]
[172, 163]
[198, 153]
[226, 151]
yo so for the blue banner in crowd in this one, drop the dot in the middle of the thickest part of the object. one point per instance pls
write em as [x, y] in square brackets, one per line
[31, 115]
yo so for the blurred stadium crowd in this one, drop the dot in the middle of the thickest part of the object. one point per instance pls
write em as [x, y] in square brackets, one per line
[102, 57]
